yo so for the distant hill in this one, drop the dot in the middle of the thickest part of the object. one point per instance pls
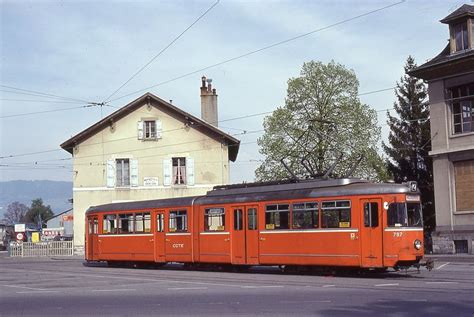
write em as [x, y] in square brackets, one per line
[53, 193]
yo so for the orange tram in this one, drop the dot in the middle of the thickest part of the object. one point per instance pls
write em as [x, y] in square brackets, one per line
[347, 223]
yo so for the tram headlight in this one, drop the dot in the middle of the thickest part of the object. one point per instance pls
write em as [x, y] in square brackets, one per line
[417, 244]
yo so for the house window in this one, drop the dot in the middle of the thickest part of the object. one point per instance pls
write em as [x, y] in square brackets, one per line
[122, 168]
[460, 37]
[150, 129]
[462, 103]
[179, 170]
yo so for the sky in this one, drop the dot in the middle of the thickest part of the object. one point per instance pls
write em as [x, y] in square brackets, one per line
[85, 50]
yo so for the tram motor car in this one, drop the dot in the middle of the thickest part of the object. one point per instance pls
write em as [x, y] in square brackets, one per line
[338, 223]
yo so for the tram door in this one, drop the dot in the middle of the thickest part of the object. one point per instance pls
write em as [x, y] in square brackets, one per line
[244, 235]
[159, 236]
[92, 241]
[371, 234]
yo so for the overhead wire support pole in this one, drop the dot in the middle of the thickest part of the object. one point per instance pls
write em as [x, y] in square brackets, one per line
[162, 51]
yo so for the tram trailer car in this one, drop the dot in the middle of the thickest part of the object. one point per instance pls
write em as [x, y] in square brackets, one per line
[334, 223]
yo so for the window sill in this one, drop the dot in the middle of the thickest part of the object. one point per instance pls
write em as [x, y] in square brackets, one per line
[122, 187]
[461, 51]
[464, 212]
[458, 135]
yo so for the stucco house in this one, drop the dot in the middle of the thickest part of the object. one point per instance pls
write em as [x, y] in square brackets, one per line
[450, 77]
[149, 149]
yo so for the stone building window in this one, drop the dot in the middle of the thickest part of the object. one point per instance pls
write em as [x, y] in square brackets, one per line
[461, 37]
[464, 178]
[461, 99]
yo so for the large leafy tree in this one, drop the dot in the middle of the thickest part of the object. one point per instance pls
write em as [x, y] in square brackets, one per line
[16, 212]
[322, 122]
[410, 141]
[38, 211]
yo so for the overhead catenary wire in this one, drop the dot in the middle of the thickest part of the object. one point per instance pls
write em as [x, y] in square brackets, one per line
[263, 48]
[143, 156]
[23, 91]
[44, 111]
[175, 129]
[41, 101]
[140, 149]
[162, 51]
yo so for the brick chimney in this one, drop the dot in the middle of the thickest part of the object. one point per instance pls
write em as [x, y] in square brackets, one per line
[208, 102]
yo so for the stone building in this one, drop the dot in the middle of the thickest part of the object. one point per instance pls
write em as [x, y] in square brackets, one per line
[149, 149]
[450, 77]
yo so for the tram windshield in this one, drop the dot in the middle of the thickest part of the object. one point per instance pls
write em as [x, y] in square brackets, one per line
[404, 215]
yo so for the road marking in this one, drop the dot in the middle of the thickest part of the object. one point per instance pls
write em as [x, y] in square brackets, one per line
[442, 283]
[33, 292]
[24, 287]
[441, 266]
[185, 288]
[134, 278]
[151, 280]
[392, 284]
[416, 300]
[115, 290]
[305, 301]
[407, 300]
[328, 285]
[264, 286]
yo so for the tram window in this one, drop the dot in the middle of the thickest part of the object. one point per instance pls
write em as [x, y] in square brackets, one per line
[252, 218]
[160, 222]
[142, 222]
[238, 219]
[305, 215]
[397, 215]
[214, 219]
[404, 215]
[336, 214]
[178, 221]
[147, 221]
[125, 223]
[277, 217]
[414, 215]
[110, 224]
[371, 215]
[89, 224]
[96, 226]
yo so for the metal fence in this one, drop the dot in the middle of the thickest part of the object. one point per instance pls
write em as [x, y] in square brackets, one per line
[51, 248]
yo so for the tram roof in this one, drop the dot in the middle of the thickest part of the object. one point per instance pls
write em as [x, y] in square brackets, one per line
[244, 193]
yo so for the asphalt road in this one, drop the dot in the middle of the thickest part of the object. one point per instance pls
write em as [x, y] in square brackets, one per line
[65, 287]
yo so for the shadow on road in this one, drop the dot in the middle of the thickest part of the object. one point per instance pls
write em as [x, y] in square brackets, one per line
[316, 271]
[402, 308]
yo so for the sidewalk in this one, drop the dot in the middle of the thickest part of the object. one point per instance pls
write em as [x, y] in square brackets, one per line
[464, 258]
